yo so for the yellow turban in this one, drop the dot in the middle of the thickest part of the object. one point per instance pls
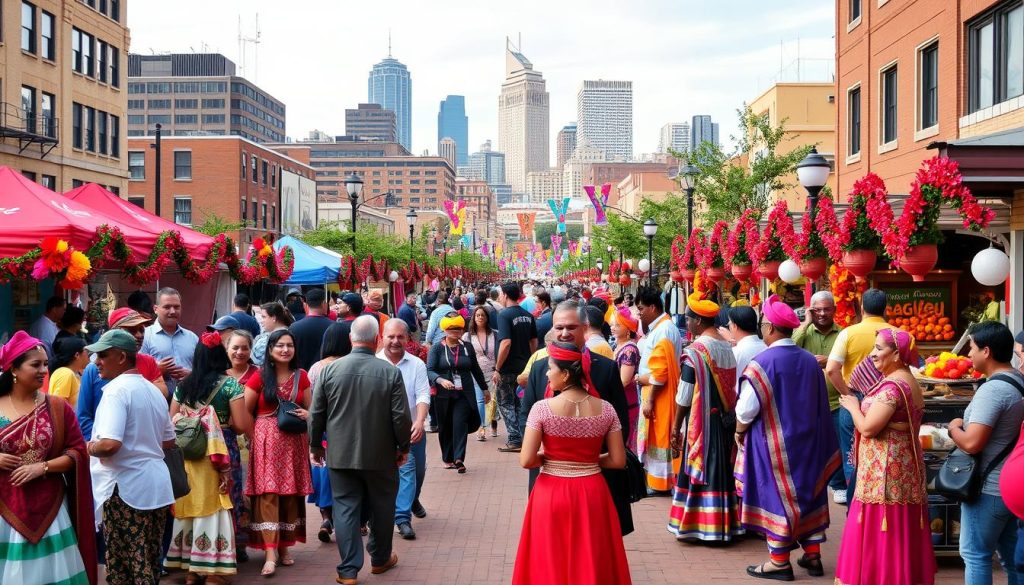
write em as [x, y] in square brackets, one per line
[456, 322]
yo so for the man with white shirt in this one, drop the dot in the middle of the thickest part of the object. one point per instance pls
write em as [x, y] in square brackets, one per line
[417, 388]
[790, 450]
[166, 340]
[743, 329]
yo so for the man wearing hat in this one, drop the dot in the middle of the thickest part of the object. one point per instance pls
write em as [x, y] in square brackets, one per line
[704, 504]
[224, 325]
[293, 300]
[784, 427]
[91, 389]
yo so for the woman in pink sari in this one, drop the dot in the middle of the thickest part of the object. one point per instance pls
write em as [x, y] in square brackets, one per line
[886, 540]
[47, 533]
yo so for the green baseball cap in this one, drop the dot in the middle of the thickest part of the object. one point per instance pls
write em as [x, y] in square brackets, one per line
[114, 339]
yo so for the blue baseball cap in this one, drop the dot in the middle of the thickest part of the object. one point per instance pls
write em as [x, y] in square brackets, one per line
[225, 322]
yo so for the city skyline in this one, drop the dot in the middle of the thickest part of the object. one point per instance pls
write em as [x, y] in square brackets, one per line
[323, 74]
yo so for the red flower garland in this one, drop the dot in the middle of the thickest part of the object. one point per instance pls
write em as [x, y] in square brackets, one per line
[828, 228]
[778, 239]
[712, 256]
[737, 249]
[847, 292]
[694, 252]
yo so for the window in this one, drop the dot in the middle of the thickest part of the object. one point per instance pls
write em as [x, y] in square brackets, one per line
[31, 176]
[213, 103]
[213, 118]
[104, 50]
[182, 164]
[265, 167]
[49, 181]
[183, 210]
[115, 67]
[158, 119]
[255, 217]
[76, 125]
[136, 165]
[28, 27]
[273, 177]
[136, 119]
[137, 200]
[115, 136]
[263, 210]
[81, 52]
[996, 57]
[136, 104]
[46, 48]
[245, 211]
[186, 104]
[28, 107]
[185, 118]
[90, 129]
[88, 67]
[115, 10]
[243, 165]
[889, 119]
[103, 132]
[929, 91]
[47, 104]
[254, 164]
[157, 87]
[273, 216]
[159, 104]
[854, 10]
[853, 118]
[114, 189]
[136, 88]
[76, 183]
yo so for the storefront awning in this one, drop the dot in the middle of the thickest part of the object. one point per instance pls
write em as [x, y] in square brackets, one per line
[991, 164]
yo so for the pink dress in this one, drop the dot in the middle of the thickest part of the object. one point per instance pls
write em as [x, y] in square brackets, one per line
[584, 546]
[887, 540]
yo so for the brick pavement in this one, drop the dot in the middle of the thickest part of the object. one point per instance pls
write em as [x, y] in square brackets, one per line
[471, 533]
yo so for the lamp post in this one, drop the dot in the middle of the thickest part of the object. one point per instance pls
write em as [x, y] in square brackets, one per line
[812, 172]
[650, 229]
[411, 219]
[354, 186]
[689, 180]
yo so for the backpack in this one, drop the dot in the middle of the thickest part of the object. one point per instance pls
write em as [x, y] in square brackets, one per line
[189, 434]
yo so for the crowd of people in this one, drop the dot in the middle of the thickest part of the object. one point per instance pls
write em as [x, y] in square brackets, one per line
[744, 419]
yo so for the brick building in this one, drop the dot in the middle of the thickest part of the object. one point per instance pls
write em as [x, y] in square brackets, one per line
[62, 88]
[481, 208]
[232, 178]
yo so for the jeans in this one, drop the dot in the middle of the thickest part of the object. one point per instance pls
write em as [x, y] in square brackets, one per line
[508, 404]
[481, 405]
[986, 527]
[846, 429]
[355, 492]
[838, 480]
[410, 480]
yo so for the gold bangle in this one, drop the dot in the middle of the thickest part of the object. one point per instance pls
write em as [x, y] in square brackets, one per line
[46, 467]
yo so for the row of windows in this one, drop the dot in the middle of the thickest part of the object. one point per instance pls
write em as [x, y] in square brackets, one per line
[257, 206]
[186, 104]
[245, 106]
[251, 93]
[137, 87]
[238, 120]
[108, 8]
[37, 36]
[95, 58]
[39, 118]
[182, 165]
[48, 181]
[95, 130]
[257, 165]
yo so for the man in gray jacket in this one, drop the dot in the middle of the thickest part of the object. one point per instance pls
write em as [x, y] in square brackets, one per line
[360, 402]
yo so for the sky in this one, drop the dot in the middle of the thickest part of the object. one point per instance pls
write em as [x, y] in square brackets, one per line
[684, 57]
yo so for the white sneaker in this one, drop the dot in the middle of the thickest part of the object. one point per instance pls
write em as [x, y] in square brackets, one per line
[839, 496]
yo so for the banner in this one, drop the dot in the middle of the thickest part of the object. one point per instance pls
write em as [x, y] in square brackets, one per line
[559, 212]
[599, 202]
[526, 221]
[457, 215]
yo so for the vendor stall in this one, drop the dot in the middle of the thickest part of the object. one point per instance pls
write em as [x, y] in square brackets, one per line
[312, 266]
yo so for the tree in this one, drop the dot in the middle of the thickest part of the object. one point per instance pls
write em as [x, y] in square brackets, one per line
[214, 225]
[726, 187]
[545, 230]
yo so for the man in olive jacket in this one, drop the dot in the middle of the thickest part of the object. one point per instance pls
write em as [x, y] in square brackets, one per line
[360, 402]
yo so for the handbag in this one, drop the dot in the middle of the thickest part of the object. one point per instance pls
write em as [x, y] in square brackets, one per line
[961, 477]
[286, 421]
[175, 461]
[637, 477]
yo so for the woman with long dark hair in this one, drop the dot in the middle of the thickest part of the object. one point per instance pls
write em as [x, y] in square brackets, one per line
[203, 541]
[452, 369]
[335, 345]
[570, 507]
[275, 318]
[484, 342]
[278, 476]
[239, 348]
[46, 521]
[69, 359]
[627, 356]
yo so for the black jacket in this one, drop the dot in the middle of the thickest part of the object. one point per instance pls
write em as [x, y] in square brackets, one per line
[441, 365]
[605, 374]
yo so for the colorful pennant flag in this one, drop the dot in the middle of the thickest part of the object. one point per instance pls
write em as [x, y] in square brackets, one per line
[559, 211]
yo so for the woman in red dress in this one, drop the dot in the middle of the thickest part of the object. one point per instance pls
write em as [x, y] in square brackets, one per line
[571, 427]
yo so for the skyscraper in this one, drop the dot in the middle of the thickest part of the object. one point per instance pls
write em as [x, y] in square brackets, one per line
[565, 143]
[604, 115]
[390, 85]
[446, 149]
[453, 123]
[523, 119]
[702, 129]
[371, 121]
[675, 135]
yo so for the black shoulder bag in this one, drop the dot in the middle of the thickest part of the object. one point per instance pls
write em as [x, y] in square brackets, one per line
[961, 476]
[286, 421]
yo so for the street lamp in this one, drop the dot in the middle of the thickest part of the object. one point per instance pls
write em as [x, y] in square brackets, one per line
[689, 181]
[600, 266]
[354, 186]
[812, 173]
[650, 229]
[411, 219]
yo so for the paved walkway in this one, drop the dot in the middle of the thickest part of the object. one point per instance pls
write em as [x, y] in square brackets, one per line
[472, 530]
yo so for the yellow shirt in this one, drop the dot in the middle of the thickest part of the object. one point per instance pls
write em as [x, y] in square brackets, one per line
[854, 344]
[540, 354]
[64, 383]
[601, 347]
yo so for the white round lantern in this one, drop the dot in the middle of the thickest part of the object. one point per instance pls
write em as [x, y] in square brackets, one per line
[393, 276]
[990, 267]
[789, 272]
[644, 265]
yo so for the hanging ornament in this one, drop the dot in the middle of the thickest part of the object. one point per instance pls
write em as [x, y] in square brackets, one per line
[990, 267]
[789, 272]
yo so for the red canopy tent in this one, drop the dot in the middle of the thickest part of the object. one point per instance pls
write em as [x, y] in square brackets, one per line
[130, 215]
[30, 212]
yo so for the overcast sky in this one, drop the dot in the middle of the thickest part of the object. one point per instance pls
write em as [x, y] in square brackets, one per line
[684, 57]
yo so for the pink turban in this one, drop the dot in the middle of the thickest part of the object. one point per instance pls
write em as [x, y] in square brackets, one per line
[779, 313]
[19, 344]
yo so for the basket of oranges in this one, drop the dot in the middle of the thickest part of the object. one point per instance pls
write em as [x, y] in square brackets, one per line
[928, 327]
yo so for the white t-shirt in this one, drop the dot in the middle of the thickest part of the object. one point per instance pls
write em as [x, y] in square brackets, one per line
[133, 412]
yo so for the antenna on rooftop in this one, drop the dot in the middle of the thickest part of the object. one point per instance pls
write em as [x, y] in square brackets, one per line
[243, 43]
[389, 43]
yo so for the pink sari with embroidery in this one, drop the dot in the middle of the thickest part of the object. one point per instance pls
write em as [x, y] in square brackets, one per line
[887, 539]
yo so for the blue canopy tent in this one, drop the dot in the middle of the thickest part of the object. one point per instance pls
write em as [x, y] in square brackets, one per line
[311, 265]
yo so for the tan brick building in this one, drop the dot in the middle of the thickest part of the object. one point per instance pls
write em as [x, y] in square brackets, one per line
[63, 83]
[230, 177]
[481, 208]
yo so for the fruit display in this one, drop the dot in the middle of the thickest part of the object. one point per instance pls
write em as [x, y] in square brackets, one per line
[924, 327]
[949, 366]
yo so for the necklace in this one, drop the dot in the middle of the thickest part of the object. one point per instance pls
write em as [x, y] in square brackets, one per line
[577, 403]
[29, 443]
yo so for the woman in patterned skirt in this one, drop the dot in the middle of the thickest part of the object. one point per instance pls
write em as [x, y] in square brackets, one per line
[242, 369]
[278, 477]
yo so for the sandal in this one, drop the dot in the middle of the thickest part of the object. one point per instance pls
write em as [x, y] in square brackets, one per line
[481, 435]
[269, 568]
[449, 466]
[286, 561]
[325, 531]
[460, 466]
[784, 572]
[813, 565]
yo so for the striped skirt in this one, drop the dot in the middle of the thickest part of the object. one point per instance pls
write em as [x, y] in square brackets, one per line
[55, 559]
[204, 545]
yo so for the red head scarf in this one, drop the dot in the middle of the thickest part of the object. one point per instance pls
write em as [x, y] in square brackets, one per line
[569, 355]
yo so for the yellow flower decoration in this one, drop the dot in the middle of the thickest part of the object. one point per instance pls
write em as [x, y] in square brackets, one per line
[78, 267]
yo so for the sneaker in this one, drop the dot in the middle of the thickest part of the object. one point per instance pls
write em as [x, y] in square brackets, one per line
[839, 497]
[510, 448]
[418, 510]
[405, 529]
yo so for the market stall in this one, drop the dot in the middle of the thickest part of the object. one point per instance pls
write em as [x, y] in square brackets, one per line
[312, 266]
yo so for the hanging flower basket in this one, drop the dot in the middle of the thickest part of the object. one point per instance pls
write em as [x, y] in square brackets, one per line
[918, 261]
[689, 275]
[813, 268]
[676, 275]
[860, 263]
[624, 279]
[742, 272]
[769, 269]
[715, 274]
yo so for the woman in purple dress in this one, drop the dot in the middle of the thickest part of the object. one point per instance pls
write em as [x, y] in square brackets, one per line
[627, 357]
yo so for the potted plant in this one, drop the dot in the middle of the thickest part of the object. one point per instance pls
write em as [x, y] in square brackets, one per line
[811, 253]
[712, 260]
[736, 246]
[776, 242]
[694, 250]
[868, 216]
[912, 242]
